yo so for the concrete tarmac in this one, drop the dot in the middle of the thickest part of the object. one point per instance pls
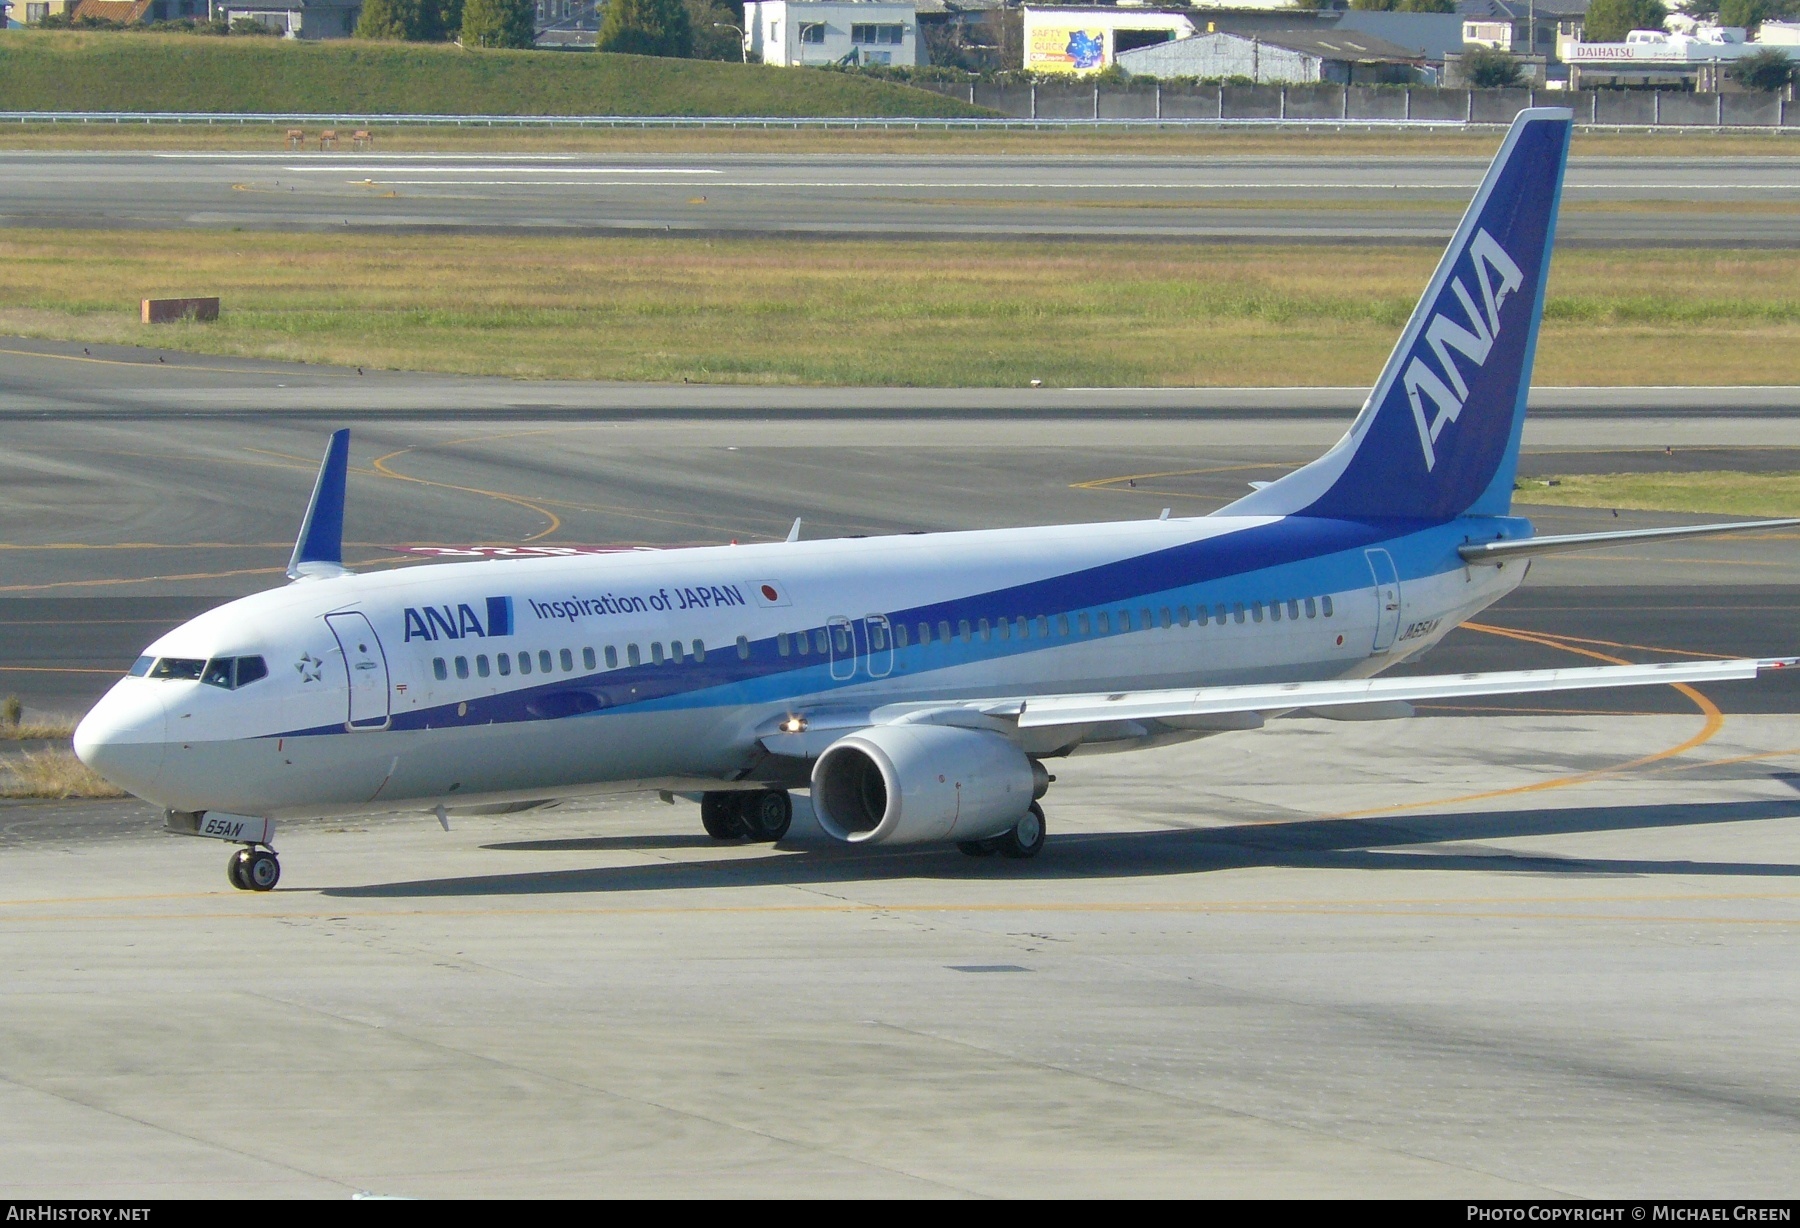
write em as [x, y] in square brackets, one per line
[1523, 956]
[1728, 201]
[1531, 951]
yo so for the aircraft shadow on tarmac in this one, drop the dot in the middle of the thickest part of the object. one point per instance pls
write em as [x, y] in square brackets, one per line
[1326, 844]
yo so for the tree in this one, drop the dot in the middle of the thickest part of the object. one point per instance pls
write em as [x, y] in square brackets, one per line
[709, 41]
[1609, 21]
[1768, 70]
[439, 20]
[1752, 13]
[646, 27]
[498, 23]
[1488, 68]
[388, 19]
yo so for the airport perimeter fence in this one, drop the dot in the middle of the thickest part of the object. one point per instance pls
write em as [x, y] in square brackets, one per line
[1365, 104]
[1079, 106]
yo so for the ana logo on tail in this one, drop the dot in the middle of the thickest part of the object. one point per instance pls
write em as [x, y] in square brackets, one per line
[1498, 276]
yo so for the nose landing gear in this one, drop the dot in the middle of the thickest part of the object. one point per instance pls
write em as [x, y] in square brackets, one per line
[253, 869]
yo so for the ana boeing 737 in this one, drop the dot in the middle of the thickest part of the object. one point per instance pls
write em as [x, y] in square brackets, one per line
[916, 684]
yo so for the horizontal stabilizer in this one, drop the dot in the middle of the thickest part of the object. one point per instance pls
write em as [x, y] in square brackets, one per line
[1530, 547]
[1152, 705]
[319, 551]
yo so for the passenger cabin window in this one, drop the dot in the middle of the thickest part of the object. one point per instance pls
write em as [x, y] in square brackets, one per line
[1275, 611]
[1103, 622]
[699, 651]
[587, 659]
[1166, 620]
[656, 653]
[820, 642]
[743, 648]
[524, 663]
[567, 660]
[462, 667]
[440, 671]
[504, 661]
[987, 632]
[900, 634]
[924, 634]
[1312, 608]
[962, 630]
[803, 643]
[1325, 605]
[631, 655]
[1293, 608]
[1256, 611]
[612, 657]
[1081, 623]
[544, 660]
[943, 629]
[481, 665]
[1237, 612]
[781, 644]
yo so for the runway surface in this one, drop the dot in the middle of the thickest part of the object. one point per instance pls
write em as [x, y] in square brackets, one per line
[1731, 201]
[1529, 951]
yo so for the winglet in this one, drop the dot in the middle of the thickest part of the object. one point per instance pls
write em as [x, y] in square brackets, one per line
[319, 552]
[794, 533]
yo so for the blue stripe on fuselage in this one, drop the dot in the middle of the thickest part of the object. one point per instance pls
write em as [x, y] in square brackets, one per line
[1296, 556]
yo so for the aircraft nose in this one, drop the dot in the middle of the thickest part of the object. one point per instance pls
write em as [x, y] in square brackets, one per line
[125, 736]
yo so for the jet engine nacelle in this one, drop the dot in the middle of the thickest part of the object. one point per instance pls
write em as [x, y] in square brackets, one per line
[908, 784]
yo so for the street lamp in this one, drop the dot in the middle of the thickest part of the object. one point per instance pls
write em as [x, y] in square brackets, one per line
[743, 38]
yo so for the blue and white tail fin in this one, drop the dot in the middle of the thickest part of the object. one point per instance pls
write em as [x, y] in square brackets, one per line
[1439, 435]
[319, 550]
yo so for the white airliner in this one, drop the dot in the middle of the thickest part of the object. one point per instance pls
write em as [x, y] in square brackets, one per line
[916, 684]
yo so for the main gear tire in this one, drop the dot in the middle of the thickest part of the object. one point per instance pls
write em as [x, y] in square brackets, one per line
[767, 814]
[721, 815]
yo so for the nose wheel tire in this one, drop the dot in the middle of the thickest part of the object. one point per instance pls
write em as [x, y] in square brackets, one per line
[253, 870]
[1025, 840]
[767, 814]
[721, 816]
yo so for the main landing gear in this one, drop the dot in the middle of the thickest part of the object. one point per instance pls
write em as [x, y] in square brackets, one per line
[761, 815]
[1024, 840]
[254, 869]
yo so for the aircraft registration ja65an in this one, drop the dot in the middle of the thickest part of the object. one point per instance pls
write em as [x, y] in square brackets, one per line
[917, 685]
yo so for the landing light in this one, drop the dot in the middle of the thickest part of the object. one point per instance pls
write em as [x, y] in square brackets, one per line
[794, 724]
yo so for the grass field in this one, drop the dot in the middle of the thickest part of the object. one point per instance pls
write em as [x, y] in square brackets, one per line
[1155, 142]
[75, 71]
[855, 312]
[1725, 492]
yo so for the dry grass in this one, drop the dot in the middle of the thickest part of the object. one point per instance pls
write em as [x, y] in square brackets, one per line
[1722, 492]
[859, 312]
[54, 727]
[54, 773]
[1166, 142]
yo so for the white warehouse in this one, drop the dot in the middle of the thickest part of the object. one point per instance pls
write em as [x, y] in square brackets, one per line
[793, 32]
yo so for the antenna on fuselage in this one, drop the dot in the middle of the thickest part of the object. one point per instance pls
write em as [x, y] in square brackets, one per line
[319, 550]
[794, 533]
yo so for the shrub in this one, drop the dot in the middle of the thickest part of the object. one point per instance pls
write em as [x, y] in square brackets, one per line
[1768, 70]
[1489, 69]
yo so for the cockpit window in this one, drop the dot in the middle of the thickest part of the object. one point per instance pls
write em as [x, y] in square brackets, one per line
[182, 669]
[227, 673]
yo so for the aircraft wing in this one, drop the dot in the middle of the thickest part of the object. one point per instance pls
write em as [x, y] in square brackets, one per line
[1222, 700]
[1527, 547]
[807, 734]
